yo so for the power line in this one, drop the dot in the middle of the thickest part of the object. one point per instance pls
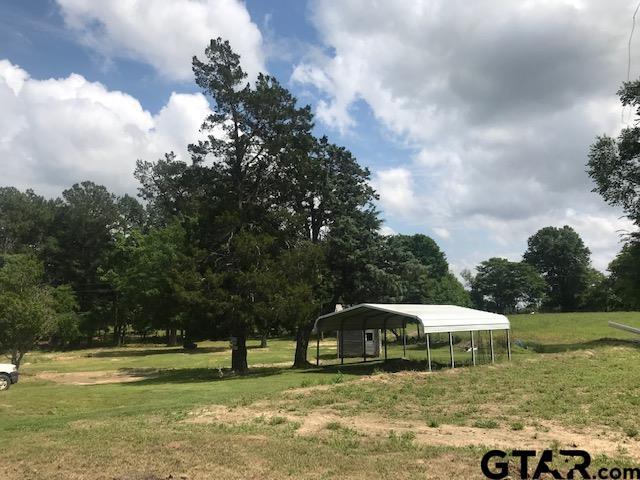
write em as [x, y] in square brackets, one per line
[633, 28]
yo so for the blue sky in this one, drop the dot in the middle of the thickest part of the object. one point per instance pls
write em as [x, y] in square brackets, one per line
[475, 119]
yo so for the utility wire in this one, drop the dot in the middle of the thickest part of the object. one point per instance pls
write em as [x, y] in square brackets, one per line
[633, 28]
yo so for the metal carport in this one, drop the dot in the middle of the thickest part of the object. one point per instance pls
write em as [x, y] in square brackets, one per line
[428, 319]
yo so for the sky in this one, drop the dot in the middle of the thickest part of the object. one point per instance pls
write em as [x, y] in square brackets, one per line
[475, 118]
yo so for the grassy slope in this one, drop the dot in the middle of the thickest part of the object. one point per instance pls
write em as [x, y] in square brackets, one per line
[131, 430]
[571, 329]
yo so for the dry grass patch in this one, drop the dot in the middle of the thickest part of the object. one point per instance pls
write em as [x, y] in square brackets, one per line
[314, 424]
[97, 378]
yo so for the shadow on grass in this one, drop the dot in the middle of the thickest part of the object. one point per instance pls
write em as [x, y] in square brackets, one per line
[143, 352]
[153, 351]
[200, 375]
[390, 366]
[569, 347]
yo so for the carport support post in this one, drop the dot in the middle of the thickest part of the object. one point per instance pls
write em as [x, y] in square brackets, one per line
[493, 355]
[341, 342]
[364, 341]
[453, 363]
[404, 339]
[318, 350]
[428, 350]
[473, 349]
[385, 339]
[509, 344]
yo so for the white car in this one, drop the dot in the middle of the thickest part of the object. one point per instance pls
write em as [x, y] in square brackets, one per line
[8, 375]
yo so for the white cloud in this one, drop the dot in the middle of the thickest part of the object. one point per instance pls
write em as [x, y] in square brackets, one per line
[442, 232]
[56, 132]
[387, 231]
[165, 34]
[396, 191]
[499, 100]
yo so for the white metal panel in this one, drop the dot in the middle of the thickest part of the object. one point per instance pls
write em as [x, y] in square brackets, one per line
[353, 341]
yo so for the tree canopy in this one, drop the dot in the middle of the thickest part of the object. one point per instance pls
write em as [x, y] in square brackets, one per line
[31, 310]
[560, 256]
[613, 163]
[501, 285]
[614, 167]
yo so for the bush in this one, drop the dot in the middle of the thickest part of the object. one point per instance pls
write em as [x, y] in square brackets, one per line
[485, 423]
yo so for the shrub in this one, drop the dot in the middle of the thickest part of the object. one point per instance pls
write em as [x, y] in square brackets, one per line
[485, 423]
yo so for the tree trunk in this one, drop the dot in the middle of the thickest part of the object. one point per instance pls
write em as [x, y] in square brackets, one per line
[123, 335]
[187, 340]
[16, 358]
[117, 335]
[263, 340]
[172, 337]
[302, 343]
[239, 352]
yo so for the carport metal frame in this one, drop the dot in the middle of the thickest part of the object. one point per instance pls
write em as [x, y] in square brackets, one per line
[428, 318]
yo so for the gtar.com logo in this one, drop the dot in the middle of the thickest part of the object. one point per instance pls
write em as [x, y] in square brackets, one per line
[495, 465]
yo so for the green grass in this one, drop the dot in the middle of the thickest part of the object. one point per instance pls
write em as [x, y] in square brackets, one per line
[139, 356]
[571, 329]
[575, 372]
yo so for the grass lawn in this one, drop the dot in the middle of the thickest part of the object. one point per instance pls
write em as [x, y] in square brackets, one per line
[176, 413]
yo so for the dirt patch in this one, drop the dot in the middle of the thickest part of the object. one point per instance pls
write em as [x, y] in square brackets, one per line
[97, 378]
[271, 365]
[543, 436]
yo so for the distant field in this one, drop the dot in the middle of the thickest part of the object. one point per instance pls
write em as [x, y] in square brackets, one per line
[150, 411]
[571, 328]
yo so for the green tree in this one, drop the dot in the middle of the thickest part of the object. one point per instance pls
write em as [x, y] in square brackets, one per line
[502, 285]
[25, 219]
[304, 292]
[425, 250]
[598, 296]
[560, 256]
[173, 189]
[80, 243]
[422, 272]
[613, 163]
[131, 215]
[30, 310]
[329, 202]
[254, 131]
[156, 283]
[66, 328]
[625, 277]
[448, 290]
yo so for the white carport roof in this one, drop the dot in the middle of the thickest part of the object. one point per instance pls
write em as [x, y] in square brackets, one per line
[429, 318]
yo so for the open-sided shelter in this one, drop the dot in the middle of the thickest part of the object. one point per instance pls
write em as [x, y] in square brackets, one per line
[429, 319]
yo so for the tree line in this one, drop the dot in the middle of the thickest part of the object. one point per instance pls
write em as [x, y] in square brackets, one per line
[266, 227]
[555, 274]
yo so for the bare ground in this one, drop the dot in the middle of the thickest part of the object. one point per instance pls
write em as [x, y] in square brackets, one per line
[315, 421]
[97, 378]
